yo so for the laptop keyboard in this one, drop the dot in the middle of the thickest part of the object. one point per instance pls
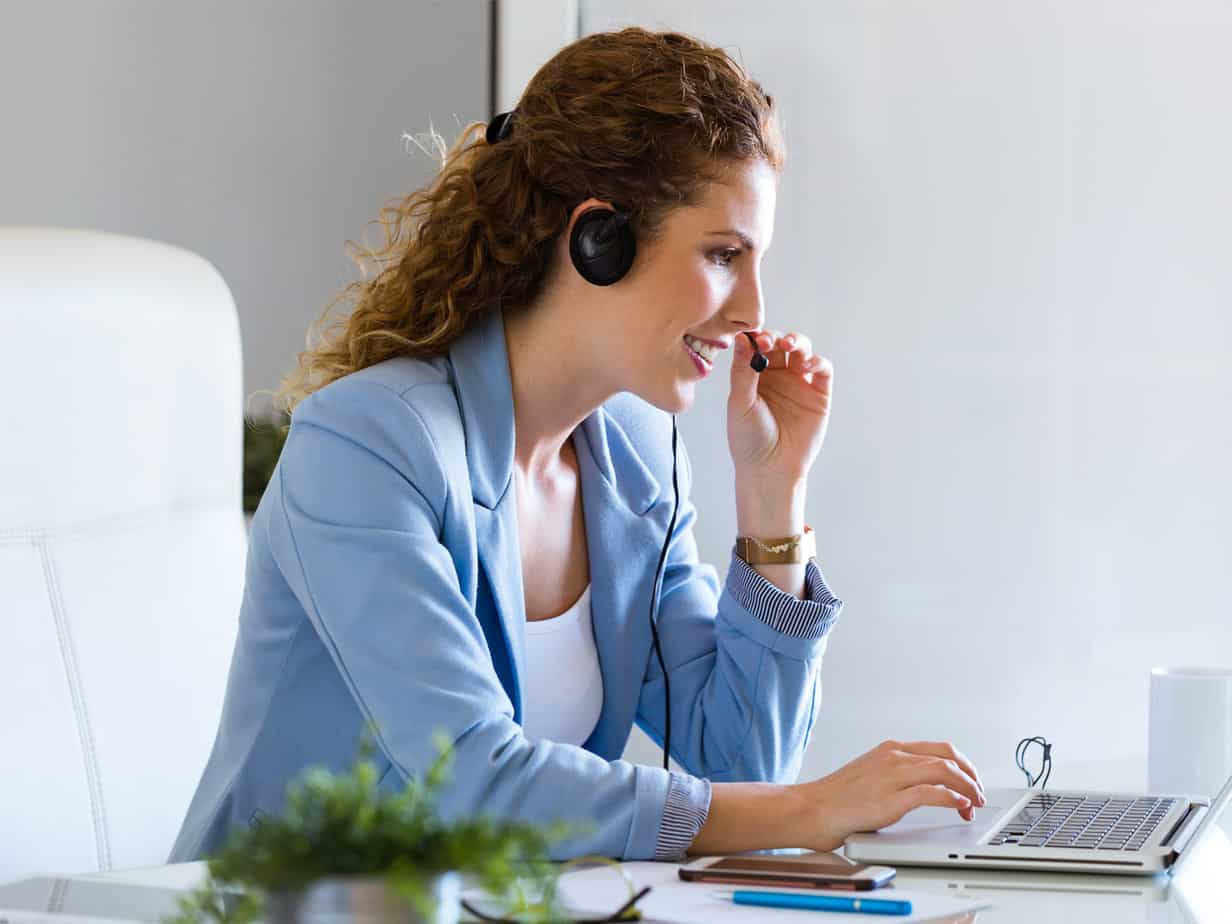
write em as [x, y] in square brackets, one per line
[1090, 822]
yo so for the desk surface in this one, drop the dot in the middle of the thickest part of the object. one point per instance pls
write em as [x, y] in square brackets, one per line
[1201, 894]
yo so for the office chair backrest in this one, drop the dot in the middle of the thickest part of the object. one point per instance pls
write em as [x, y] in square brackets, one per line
[121, 542]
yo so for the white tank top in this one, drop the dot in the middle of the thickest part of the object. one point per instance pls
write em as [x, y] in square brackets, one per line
[563, 687]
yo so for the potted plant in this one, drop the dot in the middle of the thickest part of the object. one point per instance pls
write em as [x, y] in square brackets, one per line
[343, 850]
[263, 441]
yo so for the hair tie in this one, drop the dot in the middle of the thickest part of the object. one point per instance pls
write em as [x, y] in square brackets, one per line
[500, 127]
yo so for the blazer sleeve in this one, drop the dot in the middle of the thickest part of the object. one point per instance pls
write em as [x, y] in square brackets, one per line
[745, 663]
[358, 538]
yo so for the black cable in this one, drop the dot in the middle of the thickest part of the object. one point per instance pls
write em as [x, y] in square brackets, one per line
[654, 609]
[758, 364]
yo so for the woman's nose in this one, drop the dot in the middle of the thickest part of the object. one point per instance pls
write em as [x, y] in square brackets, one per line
[747, 308]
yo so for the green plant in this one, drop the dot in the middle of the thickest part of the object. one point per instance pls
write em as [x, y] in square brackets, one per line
[263, 441]
[343, 825]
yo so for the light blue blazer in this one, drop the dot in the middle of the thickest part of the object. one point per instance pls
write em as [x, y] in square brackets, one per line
[384, 583]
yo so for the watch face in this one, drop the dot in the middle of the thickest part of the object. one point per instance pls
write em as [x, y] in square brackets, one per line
[802, 551]
[756, 555]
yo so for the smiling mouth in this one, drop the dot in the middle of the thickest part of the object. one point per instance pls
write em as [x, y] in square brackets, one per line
[703, 351]
[700, 363]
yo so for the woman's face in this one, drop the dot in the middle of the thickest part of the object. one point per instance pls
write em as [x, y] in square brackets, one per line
[699, 279]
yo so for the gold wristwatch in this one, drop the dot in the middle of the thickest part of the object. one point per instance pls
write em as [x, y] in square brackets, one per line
[785, 551]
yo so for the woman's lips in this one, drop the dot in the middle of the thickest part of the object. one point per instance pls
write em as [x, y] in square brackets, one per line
[700, 364]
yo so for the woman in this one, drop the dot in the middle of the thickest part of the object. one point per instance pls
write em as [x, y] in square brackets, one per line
[464, 527]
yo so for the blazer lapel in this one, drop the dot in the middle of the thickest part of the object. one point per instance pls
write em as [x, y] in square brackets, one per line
[480, 364]
[496, 538]
[624, 534]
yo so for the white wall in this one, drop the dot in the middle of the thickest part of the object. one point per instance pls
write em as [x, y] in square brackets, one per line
[529, 32]
[260, 135]
[1007, 224]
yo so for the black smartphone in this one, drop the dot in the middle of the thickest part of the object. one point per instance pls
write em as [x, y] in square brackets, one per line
[805, 870]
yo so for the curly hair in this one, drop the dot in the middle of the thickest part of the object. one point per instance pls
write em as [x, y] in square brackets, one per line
[643, 120]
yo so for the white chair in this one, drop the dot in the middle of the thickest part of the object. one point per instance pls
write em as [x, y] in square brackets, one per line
[122, 542]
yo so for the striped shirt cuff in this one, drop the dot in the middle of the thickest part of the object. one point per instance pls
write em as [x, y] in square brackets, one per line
[811, 617]
[688, 804]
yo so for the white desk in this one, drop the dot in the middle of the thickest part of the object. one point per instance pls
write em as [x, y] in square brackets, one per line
[1201, 894]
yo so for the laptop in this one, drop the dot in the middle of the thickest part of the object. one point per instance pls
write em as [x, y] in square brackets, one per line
[1111, 833]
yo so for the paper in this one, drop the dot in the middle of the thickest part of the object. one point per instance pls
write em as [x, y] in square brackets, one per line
[673, 901]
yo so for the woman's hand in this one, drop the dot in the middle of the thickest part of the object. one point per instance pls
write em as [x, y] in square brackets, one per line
[776, 419]
[880, 787]
[873, 791]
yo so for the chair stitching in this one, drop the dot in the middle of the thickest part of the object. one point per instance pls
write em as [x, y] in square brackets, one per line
[69, 656]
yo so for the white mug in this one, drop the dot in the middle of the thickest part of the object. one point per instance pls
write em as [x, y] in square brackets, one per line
[1190, 747]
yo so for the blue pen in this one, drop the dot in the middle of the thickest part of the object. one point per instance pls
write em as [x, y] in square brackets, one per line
[821, 902]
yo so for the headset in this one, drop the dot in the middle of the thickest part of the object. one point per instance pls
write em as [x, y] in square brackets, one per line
[602, 247]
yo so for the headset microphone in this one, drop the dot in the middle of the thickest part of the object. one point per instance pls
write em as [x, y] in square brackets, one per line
[758, 362]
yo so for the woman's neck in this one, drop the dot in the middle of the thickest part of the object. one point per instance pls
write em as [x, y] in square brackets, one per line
[557, 374]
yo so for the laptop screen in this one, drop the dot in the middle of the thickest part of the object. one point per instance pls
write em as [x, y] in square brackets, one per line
[1218, 804]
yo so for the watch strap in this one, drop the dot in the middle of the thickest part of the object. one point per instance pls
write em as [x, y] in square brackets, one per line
[784, 550]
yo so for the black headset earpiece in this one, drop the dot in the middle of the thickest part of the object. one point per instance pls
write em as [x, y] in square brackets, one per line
[602, 246]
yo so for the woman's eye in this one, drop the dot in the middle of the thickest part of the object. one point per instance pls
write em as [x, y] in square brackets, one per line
[724, 257]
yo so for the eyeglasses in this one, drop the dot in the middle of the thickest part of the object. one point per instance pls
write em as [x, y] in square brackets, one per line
[544, 912]
[625, 912]
[1020, 758]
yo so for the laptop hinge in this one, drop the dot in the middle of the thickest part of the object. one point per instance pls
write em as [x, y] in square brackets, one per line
[1185, 828]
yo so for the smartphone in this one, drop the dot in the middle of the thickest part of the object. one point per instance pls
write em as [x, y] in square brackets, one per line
[805, 870]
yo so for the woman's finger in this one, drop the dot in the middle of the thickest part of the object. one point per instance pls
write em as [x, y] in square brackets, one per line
[812, 363]
[822, 374]
[906, 800]
[796, 348]
[766, 340]
[778, 347]
[793, 351]
[798, 342]
[944, 772]
[798, 360]
[943, 749]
